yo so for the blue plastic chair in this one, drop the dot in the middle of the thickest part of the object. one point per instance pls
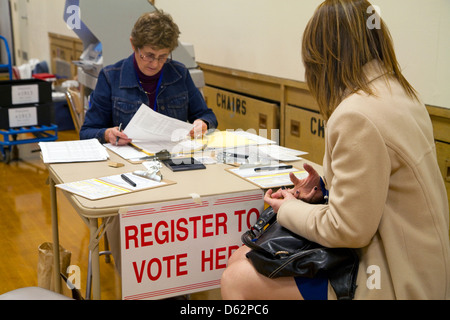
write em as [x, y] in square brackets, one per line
[9, 65]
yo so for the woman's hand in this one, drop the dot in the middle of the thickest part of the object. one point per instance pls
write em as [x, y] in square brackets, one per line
[308, 189]
[199, 129]
[111, 135]
[275, 200]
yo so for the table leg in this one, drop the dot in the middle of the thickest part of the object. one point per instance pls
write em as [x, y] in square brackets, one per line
[93, 227]
[55, 232]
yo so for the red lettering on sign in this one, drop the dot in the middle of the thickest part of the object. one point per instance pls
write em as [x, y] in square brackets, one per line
[182, 229]
[169, 231]
[249, 215]
[164, 233]
[149, 269]
[221, 221]
[206, 259]
[169, 266]
[145, 234]
[180, 264]
[195, 220]
[207, 225]
[140, 273]
[216, 258]
[241, 213]
[168, 259]
[129, 236]
[221, 259]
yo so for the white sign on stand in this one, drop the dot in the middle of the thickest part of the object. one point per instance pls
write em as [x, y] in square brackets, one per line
[181, 247]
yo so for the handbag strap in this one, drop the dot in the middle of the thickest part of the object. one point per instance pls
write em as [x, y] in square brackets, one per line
[248, 238]
[266, 218]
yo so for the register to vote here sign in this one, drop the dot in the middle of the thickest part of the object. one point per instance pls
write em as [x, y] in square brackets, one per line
[180, 247]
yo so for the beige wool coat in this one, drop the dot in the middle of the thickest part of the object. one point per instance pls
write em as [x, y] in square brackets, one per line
[387, 196]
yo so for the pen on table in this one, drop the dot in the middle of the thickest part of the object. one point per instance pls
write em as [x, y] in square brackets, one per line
[227, 155]
[273, 168]
[120, 130]
[128, 180]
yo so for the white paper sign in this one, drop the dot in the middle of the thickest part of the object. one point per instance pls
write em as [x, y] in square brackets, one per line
[181, 247]
[20, 117]
[25, 94]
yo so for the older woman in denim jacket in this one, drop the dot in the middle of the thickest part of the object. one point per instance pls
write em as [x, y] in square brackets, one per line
[150, 77]
[147, 76]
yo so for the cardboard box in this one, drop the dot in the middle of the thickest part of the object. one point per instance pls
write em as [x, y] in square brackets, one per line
[236, 111]
[305, 131]
[25, 92]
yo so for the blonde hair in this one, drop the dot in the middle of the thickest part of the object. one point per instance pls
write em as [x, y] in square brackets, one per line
[155, 29]
[337, 43]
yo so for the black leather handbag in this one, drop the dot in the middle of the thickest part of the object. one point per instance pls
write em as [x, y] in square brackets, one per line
[278, 252]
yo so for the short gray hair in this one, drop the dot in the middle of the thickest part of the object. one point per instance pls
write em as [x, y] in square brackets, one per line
[157, 30]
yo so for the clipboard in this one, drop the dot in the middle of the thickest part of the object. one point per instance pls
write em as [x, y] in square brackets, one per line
[136, 155]
[110, 186]
[268, 179]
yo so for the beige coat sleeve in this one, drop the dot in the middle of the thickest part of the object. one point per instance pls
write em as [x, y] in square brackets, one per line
[357, 169]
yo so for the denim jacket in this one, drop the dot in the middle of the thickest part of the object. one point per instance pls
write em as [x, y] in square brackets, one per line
[118, 95]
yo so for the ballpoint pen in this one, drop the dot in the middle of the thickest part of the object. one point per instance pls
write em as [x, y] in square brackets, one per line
[120, 130]
[128, 180]
[273, 168]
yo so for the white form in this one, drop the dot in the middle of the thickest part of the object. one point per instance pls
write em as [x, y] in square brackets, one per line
[153, 132]
[73, 151]
[269, 178]
[148, 125]
[280, 153]
[99, 188]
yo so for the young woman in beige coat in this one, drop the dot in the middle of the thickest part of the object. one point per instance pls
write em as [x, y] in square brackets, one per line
[384, 193]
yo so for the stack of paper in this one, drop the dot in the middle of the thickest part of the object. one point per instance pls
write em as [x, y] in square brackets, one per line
[152, 132]
[280, 153]
[254, 146]
[148, 125]
[73, 151]
[226, 140]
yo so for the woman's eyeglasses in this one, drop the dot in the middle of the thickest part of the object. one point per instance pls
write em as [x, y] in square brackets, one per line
[151, 57]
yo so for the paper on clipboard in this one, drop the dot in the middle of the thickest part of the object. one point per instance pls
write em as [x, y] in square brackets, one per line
[270, 178]
[99, 188]
[126, 152]
[280, 153]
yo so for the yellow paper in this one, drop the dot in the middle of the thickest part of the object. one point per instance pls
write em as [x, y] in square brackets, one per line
[225, 139]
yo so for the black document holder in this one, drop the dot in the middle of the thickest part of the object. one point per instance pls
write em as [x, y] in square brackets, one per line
[183, 164]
